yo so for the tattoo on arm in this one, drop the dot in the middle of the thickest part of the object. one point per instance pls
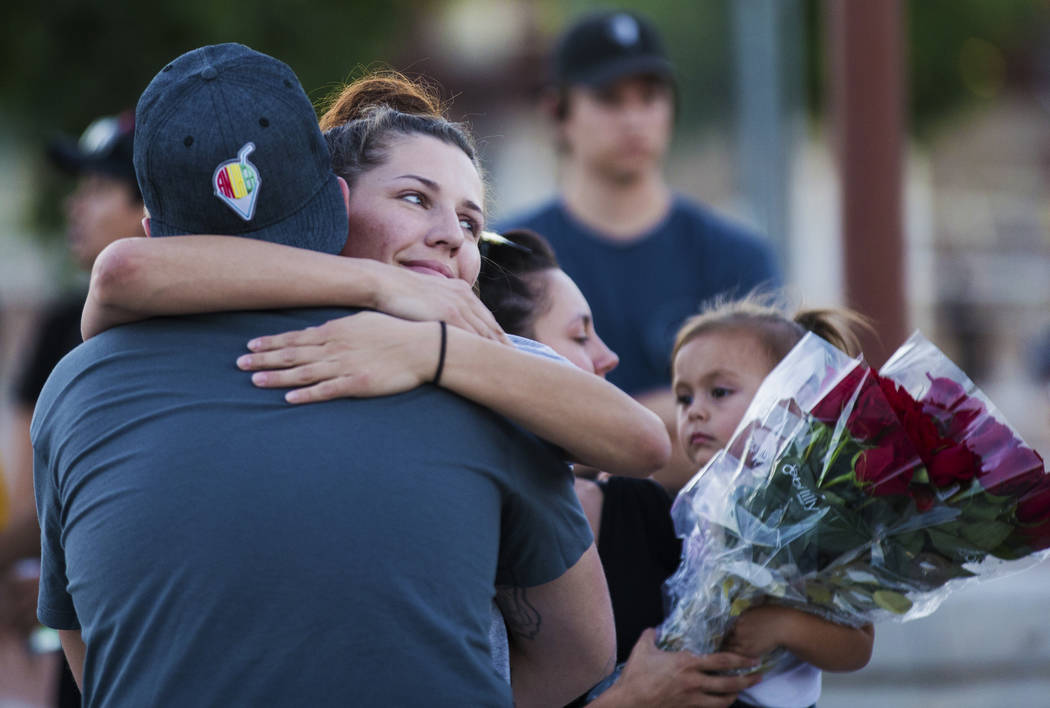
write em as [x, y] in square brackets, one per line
[523, 620]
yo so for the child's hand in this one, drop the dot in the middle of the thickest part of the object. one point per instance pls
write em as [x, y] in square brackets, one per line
[826, 645]
[760, 630]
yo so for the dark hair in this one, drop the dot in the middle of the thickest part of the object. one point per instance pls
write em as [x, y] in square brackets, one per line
[361, 118]
[559, 99]
[508, 282]
[764, 316]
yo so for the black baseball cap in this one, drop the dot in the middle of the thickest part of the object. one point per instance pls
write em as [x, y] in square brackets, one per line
[227, 142]
[603, 47]
[105, 147]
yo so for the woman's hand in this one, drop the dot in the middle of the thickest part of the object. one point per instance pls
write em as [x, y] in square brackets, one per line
[653, 677]
[414, 296]
[358, 356]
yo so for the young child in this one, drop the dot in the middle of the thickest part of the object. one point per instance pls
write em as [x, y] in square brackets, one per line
[719, 359]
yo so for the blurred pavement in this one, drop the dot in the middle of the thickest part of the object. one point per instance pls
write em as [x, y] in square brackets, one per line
[988, 645]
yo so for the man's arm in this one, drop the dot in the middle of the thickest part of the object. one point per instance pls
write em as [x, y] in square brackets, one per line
[562, 636]
[73, 646]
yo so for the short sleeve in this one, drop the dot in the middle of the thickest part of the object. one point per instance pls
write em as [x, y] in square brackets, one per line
[533, 347]
[54, 606]
[544, 531]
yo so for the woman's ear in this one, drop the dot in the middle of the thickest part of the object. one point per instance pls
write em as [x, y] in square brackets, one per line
[346, 193]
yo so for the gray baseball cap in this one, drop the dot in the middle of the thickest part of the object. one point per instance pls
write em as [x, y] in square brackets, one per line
[226, 142]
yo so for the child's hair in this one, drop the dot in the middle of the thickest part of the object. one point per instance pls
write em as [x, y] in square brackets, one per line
[764, 316]
[508, 282]
[361, 118]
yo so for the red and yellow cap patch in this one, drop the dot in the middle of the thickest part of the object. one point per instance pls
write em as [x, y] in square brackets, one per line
[236, 182]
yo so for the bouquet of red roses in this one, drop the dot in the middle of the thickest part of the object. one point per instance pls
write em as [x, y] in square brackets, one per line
[856, 496]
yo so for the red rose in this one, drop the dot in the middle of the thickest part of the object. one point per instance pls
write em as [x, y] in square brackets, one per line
[961, 421]
[920, 428]
[944, 393]
[1034, 506]
[881, 472]
[1037, 537]
[899, 399]
[952, 464]
[830, 407]
[1010, 471]
[990, 437]
[872, 414]
[923, 496]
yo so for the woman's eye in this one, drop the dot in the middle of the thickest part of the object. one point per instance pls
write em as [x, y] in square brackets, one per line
[470, 225]
[582, 340]
[413, 198]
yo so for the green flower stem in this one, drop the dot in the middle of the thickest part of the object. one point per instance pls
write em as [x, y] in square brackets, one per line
[848, 477]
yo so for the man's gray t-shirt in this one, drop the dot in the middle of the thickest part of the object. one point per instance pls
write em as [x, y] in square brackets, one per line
[218, 546]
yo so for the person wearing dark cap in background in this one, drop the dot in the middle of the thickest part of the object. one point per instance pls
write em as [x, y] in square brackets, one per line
[644, 257]
[206, 543]
[105, 205]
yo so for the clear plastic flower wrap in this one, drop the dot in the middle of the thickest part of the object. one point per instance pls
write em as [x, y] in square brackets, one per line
[854, 496]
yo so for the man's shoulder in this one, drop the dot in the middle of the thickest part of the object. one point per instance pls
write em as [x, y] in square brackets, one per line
[700, 216]
[746, 259]
[169, 346]
[544, 216]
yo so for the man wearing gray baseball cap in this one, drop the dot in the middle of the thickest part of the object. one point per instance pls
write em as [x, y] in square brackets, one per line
[204, 542]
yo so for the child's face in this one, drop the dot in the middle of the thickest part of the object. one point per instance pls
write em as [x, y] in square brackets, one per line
[715, 377]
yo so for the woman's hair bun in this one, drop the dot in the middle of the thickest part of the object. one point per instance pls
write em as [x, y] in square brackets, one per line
[386, 88]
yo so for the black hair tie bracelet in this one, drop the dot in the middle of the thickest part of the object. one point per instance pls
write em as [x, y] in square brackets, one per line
[441, 355]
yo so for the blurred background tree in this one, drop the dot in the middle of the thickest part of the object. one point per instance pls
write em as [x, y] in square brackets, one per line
[65, 62]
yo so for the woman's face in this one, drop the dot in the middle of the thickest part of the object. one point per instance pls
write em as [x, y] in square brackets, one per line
[421, 209]
[567, 327]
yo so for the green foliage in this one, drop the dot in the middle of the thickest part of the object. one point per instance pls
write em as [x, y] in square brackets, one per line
[67, 62]
[964, 51]
[958, 53]
[64, 63]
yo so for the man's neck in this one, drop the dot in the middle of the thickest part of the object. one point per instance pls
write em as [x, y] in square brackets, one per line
[618, 210]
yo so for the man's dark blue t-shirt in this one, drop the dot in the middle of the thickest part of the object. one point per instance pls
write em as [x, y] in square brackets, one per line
[218, 546]
[640, 291]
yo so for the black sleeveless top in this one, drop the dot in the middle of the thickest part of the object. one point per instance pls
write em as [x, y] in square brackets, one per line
[639, 550]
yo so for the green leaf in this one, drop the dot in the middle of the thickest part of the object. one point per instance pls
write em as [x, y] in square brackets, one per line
[818, 594]
[948, 544]
[892, 601]
[911, 543]
[986, 535]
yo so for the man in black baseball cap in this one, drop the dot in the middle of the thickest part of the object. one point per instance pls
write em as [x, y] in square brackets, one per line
[643, 256]
[106, 204]
[224, 141]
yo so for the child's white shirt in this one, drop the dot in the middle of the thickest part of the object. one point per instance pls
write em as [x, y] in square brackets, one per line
[795, 684]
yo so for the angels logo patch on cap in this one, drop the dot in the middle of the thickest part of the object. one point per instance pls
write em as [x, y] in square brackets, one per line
[236, 182]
